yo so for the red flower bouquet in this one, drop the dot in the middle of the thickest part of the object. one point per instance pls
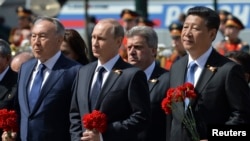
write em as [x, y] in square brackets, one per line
[174, 98]
[177, 94]
[95, 121]
[8, 121]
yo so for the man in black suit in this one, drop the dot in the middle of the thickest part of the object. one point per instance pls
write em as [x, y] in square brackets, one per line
[124, 96]
[142, 42]
[46, 118]
[222, 92]
[8, 78]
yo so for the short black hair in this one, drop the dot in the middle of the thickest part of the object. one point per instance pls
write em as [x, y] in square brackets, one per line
[242, 57]
[210, 16]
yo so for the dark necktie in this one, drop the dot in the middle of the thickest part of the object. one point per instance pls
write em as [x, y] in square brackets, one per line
[190, 78]
[96, 88]
[36, 87]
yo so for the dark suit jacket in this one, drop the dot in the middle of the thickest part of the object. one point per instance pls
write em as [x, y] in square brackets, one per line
[124, 98]
[158, 86]
[8, 87]
[223, 96]
[49, 120]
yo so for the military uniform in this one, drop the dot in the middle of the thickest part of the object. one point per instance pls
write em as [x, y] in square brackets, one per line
[129, 17]
[223, 18]
[175, 31]
[145, 22]
[232, 44]
[25, 17]
[225, 46]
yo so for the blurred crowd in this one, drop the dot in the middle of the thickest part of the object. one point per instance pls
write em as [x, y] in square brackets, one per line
[139, 47]
[229, 30]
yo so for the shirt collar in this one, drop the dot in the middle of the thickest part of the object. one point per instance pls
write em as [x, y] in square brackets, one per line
[201, 61]
[50, 62]
[108, 65]
[149, 70]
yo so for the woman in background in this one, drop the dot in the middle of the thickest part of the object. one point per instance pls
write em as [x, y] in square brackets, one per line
[74, 46]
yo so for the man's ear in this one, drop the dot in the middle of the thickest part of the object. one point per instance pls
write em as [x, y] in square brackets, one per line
[8, 58]
[154, 51]
[119, 41]
[213, 33]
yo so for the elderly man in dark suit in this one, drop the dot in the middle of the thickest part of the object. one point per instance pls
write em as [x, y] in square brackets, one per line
[8, 78]
[222, 92]
[142, 42]
[44, 113]
[124, 96]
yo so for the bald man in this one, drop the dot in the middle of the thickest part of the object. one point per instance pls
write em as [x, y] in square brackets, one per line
[19, 59]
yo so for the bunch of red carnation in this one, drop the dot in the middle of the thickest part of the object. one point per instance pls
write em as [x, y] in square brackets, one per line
[177, 94]
[95, 121]
[8, 120]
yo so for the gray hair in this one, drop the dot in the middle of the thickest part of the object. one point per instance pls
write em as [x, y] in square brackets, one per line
[146, 32]
[5, 49]
[59, 26]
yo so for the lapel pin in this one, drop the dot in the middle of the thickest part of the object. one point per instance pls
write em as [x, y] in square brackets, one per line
[211, 68]
[118, 71]
[154, 80]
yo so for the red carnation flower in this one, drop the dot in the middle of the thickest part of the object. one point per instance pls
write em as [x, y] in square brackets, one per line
[176, 96]
[95, 121]
[8, 121]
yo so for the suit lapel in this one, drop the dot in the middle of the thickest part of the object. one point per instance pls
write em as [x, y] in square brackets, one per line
[151, 83]
[85, 85]
[208, 72]
[113, 76]
[55, 74]
[50, 82]
[107, 86]
[27, 75]
[204, 78]
[178, 74]
[154, 78]
[3, 92]
[5, 83]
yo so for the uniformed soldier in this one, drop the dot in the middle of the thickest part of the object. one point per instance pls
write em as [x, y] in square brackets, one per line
[25, 17]
[22, 32]
[178, 50]
[232, 42]
[223, 18]
[145, 22]
[129, 19]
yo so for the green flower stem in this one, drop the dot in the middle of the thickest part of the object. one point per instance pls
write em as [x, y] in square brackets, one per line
[189, 122]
